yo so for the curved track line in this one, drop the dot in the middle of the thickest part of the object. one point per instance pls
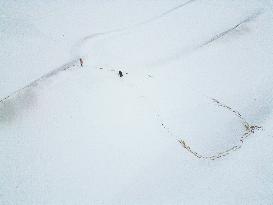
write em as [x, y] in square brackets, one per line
[99, 34]
[248, 130]
[166, 13]
[93, 36]
[78, 44]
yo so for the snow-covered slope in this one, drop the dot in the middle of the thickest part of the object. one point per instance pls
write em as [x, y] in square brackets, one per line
[188, 123]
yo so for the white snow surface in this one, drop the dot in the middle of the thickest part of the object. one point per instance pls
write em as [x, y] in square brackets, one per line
[190, 121]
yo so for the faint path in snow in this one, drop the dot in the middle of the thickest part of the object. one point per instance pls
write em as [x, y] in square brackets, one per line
[75, 49]
[249, 129]
[24, 97]
[188, 50]
[163, 14]
[231, 29]
[68, 66]
[77, 46]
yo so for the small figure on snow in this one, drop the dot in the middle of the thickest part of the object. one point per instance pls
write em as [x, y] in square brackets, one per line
[120, 73]
[81, 62]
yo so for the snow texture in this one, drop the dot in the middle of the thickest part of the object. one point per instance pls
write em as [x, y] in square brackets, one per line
[189, 121]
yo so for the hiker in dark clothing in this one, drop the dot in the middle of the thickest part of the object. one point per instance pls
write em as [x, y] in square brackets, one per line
[120, 73]
[81, 62]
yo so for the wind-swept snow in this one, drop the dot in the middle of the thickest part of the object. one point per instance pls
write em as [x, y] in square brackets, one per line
[188, 122]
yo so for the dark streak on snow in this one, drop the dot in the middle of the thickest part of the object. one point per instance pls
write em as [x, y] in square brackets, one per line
[69, 66]
[185, 51]
[248, 130]
[224, 33]
[11, 107]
